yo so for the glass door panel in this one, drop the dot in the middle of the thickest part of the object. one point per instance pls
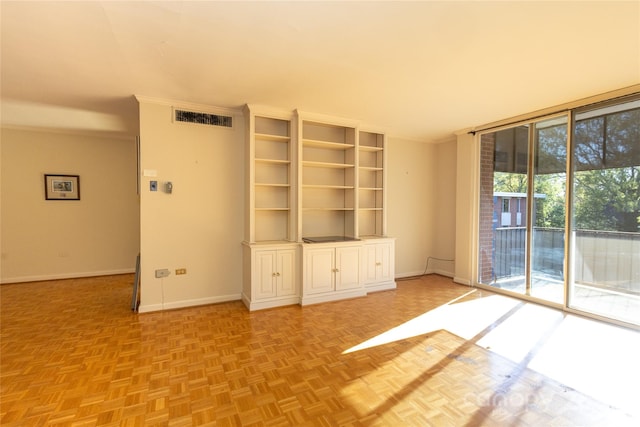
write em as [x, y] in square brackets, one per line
[548, 210]
[522, 209]
[503, 194]
[605, 229]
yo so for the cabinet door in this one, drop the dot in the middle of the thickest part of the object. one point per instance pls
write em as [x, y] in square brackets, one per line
[286, 273]
[319, 273]
[347, 268]
[384, 262]
[265, 274]
[369, 263]
[378, 263]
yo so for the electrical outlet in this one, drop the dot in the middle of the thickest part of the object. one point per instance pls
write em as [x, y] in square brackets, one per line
[181, 271]
[163, 272]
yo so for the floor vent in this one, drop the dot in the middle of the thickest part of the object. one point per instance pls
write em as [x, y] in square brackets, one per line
[203, 118]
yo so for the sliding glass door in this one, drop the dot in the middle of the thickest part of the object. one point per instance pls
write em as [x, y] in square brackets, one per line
[522, 208]
[581, 252]
[548, 211]
[605, 232]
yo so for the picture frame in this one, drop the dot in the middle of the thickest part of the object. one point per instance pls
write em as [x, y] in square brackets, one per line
[61, 187]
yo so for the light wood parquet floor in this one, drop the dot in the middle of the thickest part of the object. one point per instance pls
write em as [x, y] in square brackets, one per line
[73, 354]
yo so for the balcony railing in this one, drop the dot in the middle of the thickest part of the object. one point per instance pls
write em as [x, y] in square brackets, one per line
[601, 258]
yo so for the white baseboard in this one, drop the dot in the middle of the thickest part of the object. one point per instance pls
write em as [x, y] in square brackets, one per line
[422, 272]
[462, 281]
[410, 274]
[441, 273]
[384, 286]
[331, 296]
[62, 276]
[270, 302]
[188, 303]
[150, 308]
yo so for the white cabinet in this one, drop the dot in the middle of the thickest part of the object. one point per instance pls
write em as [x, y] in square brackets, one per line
[313, 178]
[331, 272]
[270, 276]
[378, 263]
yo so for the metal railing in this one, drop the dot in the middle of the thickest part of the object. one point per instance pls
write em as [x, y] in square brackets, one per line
[601, 258]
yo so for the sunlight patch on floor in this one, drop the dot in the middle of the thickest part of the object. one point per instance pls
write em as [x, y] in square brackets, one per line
[519, 334]
[600, 360]
[597, 359]
[464, 319]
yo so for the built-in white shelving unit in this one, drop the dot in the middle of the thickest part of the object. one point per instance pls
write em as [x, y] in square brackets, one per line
[270, 252]
[270, 176]
[316, 210]
[327, 177]
[372, 183]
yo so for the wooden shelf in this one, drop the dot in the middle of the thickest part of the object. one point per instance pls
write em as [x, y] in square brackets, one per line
[273, 161]
[266, 184]
[326, 144]
[327, 165]
[269, 137]
[329, 187]
[370, 149]
[328, 209]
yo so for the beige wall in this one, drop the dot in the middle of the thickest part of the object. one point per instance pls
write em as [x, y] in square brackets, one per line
[60, 239]
[421, 205]
[200, 225]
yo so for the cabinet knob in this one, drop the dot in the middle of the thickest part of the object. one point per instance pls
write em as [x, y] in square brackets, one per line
[278, 274]
[274, 274]
[335, 270]
[378, 263]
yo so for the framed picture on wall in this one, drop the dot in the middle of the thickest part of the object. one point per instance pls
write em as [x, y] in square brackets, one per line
[61, 187]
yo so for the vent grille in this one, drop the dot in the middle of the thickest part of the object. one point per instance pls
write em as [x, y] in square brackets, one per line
[203, 118]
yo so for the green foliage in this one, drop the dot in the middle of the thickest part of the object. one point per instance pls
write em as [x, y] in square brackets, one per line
[608, 199]
[510, 182]
[606, 162]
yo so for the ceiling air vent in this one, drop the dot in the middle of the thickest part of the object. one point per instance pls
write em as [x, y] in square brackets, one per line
[203, 118]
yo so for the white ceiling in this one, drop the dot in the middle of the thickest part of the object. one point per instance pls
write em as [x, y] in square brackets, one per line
[422, 70]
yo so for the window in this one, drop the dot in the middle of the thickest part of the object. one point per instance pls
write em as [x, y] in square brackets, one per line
[605, 277]
[591, 262]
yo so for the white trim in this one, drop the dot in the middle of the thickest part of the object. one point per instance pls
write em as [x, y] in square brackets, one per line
[62, 276]
[441, 272]
[333, 296]
[188, 303]
[410, 274]
[269, 303]
[377, 287]
[149, 308]
[462, 281]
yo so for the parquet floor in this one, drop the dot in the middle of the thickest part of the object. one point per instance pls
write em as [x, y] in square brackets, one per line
[73, 354]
